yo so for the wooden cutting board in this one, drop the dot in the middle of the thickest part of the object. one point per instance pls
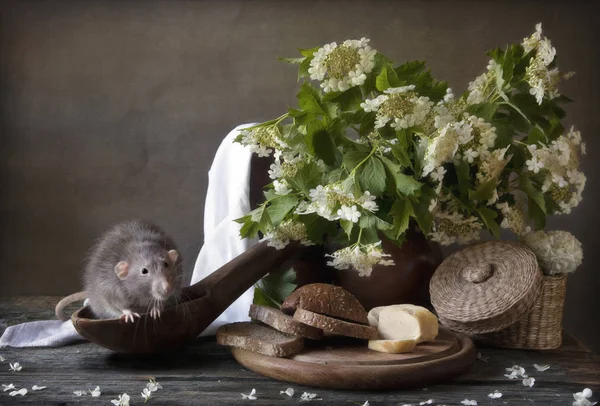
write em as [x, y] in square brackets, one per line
[355, 367]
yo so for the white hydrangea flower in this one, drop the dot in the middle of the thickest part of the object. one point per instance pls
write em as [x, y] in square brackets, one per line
[262, 140]
[288, 230]
[534, 164]
[400, 106]
[450, 228]
[339, 68]
[281, 187]
[438, 174]
[442, 148]
[531, 42]
[367, 201]
[360, 257]
[513, 218]
[558, 252]
[470, 155]
[349, 213]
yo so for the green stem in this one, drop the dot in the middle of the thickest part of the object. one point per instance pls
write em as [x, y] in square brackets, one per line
[362, 162]
[359, 235]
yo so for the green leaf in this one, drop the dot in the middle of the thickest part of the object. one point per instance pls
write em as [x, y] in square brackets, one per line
[274, 288]
[262, 299]
[348, 100]
[421, 208]
[293, 61]
[536, 213]
[405, 184]
[310, 100]
[317, 227]
[386, 79]
[352, 158]
[369, 220]
[322, 146]
[484, 192]
[463, 177]
[535, 195]
[308, 52]
[347, 227]
[488, 216]
[371, 176]
[408, 70]
[255, 221]
[306, 178]
[484, 110]
[535, 136]
[280, 207]
[401, 212]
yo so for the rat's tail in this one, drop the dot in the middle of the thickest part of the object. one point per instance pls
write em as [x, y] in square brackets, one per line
[60, 307]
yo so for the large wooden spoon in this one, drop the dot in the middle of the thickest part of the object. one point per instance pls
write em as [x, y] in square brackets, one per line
[202, 303]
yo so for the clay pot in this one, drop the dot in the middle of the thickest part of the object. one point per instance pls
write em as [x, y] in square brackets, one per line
[406, 282]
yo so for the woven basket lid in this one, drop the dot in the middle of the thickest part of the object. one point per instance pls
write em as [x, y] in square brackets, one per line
[486, 287]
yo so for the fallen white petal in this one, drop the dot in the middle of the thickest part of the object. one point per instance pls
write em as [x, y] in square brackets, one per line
[528, 382]
[309, 396]
[96, 392]
[427, 402]
[481, 357]
[288, 391]
[15, 367]
[541, 368]
[8, 387]
[469, 402]
[250, 396]
[21, 392]
[495, 395]
[123, 400]
[146, 394]
[366, 403]
[79, 393]
[2, 359]
[35, 387]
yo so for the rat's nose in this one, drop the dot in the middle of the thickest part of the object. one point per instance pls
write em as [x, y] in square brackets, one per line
[167, 288]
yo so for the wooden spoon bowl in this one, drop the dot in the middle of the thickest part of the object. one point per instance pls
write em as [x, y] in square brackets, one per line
[202, 303]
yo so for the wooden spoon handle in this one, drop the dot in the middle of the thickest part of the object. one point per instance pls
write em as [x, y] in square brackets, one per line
[230, 281]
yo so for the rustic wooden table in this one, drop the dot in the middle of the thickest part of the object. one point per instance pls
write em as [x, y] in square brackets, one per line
[205, 374]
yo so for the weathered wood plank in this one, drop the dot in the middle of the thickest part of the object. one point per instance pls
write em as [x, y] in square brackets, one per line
[205, 373]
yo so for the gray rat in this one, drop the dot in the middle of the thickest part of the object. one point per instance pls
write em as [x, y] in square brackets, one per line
[133, 268]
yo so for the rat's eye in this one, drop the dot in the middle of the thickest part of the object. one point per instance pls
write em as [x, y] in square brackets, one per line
[144, 271]
[166, 264]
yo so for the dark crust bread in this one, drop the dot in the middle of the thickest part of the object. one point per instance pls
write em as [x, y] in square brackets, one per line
[284, 323]
[336, 326]
[326, 299]
[259, 338]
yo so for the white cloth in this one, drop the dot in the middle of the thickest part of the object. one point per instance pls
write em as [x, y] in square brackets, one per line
[227, 198]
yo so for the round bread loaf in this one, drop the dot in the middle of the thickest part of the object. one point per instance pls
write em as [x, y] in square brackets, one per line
[326, 299]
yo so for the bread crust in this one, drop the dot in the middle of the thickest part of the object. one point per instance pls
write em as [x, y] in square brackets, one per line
[259, 338]
[326, 299]
[336, 326]
[284, 323]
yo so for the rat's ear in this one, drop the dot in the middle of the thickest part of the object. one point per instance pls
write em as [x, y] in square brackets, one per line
[122, 270]
[173, 255]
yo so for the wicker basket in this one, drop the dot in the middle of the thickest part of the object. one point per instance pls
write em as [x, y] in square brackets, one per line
[540, 329]
[496, 293]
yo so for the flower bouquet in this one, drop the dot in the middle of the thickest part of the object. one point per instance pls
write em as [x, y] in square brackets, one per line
[374, 146]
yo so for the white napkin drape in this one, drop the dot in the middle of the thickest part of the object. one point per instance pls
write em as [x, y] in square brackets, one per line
[227, 198]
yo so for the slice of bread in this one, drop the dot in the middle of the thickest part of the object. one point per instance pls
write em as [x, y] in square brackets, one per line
[392, 346]
[326, 299]
[284, 323]
[259, 338]
[404, 322]
[335, 326]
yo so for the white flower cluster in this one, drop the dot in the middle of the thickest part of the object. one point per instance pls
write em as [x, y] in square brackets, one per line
[401, 106]
[513, 218]
[262, 140]
[543, 81]
[483, 85]
[470, 139]
[360, 257]
[559, 162]
[333, 203]
[453, 227]
[340, 67]
[288, 230]
[558, 252]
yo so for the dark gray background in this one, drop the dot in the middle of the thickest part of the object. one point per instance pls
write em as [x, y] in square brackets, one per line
[114, 110]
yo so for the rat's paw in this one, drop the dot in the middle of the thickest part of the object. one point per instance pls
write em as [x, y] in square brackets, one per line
[129, 315]
[155, 313]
